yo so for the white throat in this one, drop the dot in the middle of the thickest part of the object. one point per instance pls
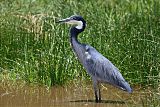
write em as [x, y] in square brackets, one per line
[79, 24]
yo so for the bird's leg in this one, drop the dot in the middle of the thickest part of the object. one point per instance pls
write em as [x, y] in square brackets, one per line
[95, 84]
[99, 92]
[96, 96]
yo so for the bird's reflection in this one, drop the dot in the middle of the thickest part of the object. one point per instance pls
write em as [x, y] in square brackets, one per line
[102, 101]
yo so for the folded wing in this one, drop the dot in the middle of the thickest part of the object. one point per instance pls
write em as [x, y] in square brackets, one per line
[103, 70]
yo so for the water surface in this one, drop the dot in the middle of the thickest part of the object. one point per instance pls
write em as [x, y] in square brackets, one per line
[73, 95]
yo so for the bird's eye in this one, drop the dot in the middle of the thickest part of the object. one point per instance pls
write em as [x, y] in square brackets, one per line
[73, 18]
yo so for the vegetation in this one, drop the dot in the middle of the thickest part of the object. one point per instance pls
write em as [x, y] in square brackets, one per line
[35, 49]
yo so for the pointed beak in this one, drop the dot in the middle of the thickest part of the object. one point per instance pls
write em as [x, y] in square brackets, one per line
[64, 20]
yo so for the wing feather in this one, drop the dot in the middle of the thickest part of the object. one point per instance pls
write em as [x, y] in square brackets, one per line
[103, 70]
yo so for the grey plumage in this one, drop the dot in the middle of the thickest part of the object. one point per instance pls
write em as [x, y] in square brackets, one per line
[104, 70]
[98, 67]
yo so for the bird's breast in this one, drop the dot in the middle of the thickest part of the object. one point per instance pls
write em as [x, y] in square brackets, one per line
[88, 56]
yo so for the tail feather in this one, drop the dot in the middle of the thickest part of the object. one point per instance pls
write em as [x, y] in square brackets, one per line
[125, 86]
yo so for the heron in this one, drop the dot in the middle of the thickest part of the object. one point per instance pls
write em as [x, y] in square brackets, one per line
[98, 67]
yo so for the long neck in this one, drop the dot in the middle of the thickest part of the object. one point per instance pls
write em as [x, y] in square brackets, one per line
[74, 32]
[76, 45]
[74, 35]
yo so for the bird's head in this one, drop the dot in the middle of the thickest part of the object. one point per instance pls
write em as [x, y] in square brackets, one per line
[76, 20]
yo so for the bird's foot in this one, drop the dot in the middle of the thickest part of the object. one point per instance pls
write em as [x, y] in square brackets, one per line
[98, 100]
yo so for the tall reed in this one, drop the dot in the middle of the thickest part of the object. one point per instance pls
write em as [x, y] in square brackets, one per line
[35, 49]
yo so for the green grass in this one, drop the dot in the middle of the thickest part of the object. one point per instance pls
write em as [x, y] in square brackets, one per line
[35, 49]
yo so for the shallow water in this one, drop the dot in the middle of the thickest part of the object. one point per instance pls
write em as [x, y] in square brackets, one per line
[68, 96]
